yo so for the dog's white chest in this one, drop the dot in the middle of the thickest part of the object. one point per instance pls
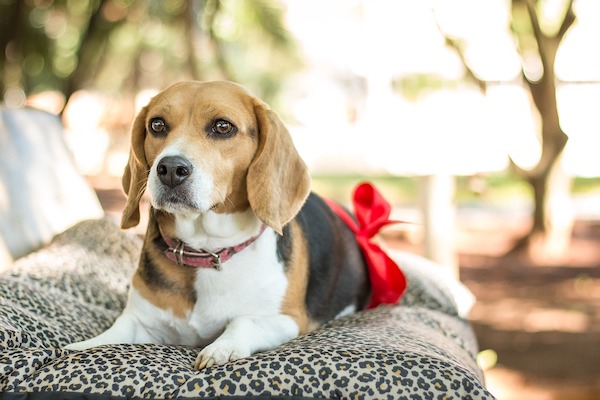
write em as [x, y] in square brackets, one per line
[252, 282]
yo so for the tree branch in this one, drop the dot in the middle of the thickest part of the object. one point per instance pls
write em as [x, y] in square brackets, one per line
[85, 57]
[189, 18]
[457, 46]
[469, 73]
[540, 37]
[567, 22]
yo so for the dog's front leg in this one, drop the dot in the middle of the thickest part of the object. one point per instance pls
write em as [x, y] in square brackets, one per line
[246, 335]
[126, 329]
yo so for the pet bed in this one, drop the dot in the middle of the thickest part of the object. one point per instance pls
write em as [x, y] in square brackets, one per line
[74, 288]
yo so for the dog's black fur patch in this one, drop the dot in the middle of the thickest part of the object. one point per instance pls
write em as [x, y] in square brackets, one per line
[284, 245]
[338, 274]
[153, 275]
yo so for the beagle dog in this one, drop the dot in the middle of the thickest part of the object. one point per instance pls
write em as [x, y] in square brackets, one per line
[239, 256]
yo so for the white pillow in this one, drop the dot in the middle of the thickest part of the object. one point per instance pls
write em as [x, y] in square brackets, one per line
[41, 191]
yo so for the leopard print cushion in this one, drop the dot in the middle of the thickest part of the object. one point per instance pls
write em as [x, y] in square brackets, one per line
[74, 289]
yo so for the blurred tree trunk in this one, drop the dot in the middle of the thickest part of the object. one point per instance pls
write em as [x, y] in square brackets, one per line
[8, 33]
[212, 8]
[552, 217]
[189, 15]
[92, 44]
[553, 139]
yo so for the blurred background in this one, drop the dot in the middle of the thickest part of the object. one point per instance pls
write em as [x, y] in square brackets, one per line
[479, 120]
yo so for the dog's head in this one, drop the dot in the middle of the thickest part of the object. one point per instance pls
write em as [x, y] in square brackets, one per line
[202, 146]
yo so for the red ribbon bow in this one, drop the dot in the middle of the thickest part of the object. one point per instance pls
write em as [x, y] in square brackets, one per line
[372, 212]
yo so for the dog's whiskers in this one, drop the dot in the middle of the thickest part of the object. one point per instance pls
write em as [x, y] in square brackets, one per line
[224, 200]
[143, 183]
[227, 199]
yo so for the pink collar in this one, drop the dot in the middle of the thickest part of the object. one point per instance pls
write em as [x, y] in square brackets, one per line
[182, 254]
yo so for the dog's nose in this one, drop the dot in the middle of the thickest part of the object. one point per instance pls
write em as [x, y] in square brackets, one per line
[173, 170]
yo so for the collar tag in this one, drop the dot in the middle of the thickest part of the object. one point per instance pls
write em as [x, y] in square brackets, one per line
[216, 260]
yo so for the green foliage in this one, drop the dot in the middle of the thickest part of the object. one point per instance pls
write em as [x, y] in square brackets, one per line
[494, 188]
[415, 85]
[491, 189]
[586, 185]
[400, 191]
[257, 47]
[116, 45]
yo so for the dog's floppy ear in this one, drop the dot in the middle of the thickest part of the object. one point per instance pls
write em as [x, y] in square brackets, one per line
[136, 173]
[278, 181]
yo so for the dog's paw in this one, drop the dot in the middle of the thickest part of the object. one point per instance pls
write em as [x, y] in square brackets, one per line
[77, 346]
[85, 344]
[219, 353]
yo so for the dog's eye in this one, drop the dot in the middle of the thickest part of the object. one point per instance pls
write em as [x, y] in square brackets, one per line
[223, 128]
[158, 125]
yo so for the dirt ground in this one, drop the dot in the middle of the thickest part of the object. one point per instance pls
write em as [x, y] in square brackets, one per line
[542, 321]
[537, 323]
[538, 326]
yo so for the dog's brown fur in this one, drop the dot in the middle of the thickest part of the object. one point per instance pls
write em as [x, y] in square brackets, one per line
[305, 270]
[264, 172]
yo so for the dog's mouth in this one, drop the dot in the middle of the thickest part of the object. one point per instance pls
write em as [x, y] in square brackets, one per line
[174, 200]
[179, 201]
